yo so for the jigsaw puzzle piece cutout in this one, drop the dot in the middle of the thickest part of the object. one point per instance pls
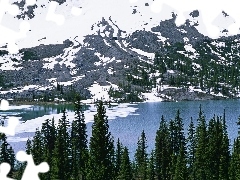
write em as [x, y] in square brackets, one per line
[180, 7]
[133, 1]
[6, 34]
[30, 2]
[231, 7]
[4, 105]
[76, 11]
[4, 170]
[58, 18]
[10, 129]
[52, 16]
[31, 170]
[208, 14]
[12, 121]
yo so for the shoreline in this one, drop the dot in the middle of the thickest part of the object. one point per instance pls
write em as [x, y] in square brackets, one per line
[17, 103]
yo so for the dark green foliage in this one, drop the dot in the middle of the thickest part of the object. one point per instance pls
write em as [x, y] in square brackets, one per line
[141, 158]
[3, 52]
[118, 155]
[61, 152]
[204, 155]
[28, 55]
[181, 172]
[201, 158]
[191, 149]
[151, 167]
[125, 171]
[48, 133]
[225, 152]
[79, 149]
[101, 148]
[234, 170]
[6, 152]
[162, 151]
[179, 132]
[37, 147]
[218, 149]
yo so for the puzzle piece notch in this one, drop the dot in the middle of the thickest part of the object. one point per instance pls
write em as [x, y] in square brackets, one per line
[30, 2]
[133, 1]
[31, 169]
[4, 170]
[52, 16]
[4, 105]
[58, 18]
[208, 14]
[10, 129]
[7, 35]
[12, 121]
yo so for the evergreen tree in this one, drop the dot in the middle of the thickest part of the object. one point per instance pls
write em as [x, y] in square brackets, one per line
[234, 170]
[191, 149]
[20, 166]
[177, 139]
[141, 158]
[201, 160]
[101, 148]
[151, 167]
[125, 172]
[181, 166]
[79, 149]
[61, 153]
[48, 132]
[162, 151]
[225, 152]
[37, 147]
[118, 155]
[213, 149]
[6, 152]
[180, 138]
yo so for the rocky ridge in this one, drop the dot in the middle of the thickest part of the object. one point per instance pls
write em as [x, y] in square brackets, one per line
[105, 57]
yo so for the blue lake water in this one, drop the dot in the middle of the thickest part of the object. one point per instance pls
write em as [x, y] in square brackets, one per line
[146, 117]
[129, 129]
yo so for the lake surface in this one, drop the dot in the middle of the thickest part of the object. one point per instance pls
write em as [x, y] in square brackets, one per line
[127, 121]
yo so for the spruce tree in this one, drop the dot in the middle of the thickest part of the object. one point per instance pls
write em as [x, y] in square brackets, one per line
[125, 171]
[191, 149]
[225, 152]
[20, 166]
[101, 148]
[181, 166]
[177, 139]
[213, 149]
[37, 147]
[162, 151]
[6, 153]
[48, 132]
[61, 153]
[201, 160]
[180, 138]
[79, 149]
[234, 169]
[119, 151]
[151, 167]
[141, 158]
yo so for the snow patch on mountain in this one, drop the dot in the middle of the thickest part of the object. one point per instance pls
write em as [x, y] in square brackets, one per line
[10, 62]
[150, 56]
[99, 92]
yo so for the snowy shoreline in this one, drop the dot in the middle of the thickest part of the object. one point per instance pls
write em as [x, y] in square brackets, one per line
[30, 126]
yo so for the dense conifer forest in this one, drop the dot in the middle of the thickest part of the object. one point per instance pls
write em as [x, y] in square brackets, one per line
[203, 153]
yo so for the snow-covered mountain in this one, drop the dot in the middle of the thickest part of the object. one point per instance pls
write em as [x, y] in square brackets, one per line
[109, 52]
